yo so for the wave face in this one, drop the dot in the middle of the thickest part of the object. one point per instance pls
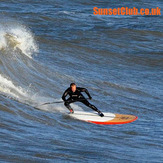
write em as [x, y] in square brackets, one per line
[46, 45]
[17, 45]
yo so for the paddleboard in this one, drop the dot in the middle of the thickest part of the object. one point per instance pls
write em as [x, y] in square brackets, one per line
[108, 119]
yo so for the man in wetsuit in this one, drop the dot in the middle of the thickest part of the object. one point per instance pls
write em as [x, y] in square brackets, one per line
[76, 96]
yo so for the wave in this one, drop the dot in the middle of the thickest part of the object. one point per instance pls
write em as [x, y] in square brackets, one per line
[17, 46]
[23, 78]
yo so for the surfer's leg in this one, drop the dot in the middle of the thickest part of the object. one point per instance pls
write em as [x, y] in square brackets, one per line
[89, 105]
[92, 107]
[67, 104]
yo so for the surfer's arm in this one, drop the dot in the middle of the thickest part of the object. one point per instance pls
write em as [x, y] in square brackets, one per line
[86, 91]
[64, 95]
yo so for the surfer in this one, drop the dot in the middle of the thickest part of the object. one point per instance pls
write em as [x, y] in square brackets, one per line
[76, 96]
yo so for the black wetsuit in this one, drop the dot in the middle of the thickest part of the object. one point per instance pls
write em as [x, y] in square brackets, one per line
[77, 97]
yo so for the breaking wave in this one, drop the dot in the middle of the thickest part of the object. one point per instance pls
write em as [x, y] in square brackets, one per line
[15, 36]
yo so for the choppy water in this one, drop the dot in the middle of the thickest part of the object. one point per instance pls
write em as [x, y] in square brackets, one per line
[44, 46]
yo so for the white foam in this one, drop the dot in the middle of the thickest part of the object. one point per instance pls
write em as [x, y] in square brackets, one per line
[7, 87]
[17, 37]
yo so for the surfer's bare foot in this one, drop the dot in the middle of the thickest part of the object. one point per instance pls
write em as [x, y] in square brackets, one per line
[71, 111]
[100, 114]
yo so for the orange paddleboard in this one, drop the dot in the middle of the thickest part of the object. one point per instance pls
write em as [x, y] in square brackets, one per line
[108, 119]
